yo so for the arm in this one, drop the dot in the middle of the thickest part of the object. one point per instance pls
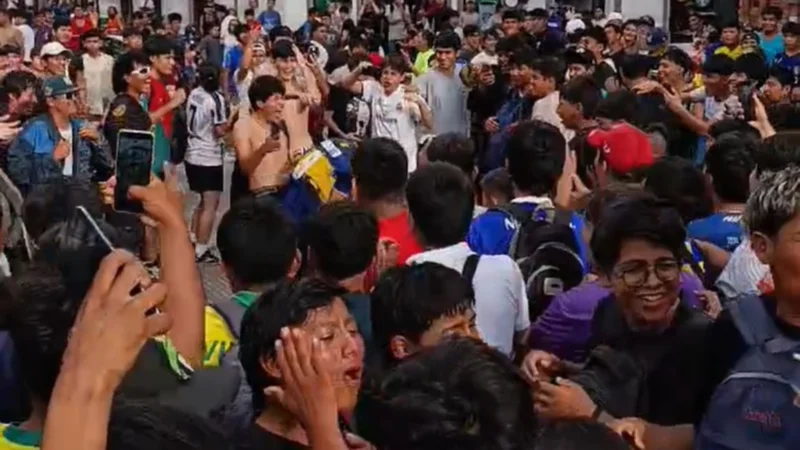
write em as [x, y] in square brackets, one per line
[247, 63]
[332, 126]
[177, 100]
[351, 82]
[699, 126]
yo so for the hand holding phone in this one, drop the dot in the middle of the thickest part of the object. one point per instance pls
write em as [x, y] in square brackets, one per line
[133, 167]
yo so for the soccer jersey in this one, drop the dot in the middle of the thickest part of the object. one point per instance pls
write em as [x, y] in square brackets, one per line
[13, 438]
[204, 112]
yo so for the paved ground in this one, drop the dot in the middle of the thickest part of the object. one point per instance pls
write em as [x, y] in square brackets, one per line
[216, 285]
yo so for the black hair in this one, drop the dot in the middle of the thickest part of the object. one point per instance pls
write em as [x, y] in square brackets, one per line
[407, 300]
[208, 77]
[441, 202]
[679, 57]
[472, 30]
[610, 194]
[342, 239]
[158, 46]
[578, 435]
[395, 62]
[791, 28]
[60, 22]
[753, 66]
[778, 152]
[460, 395]
[356, 41]
[512, 14]
[535, 157]
[447, 40]
[646, 218]
[739, 126]
[498, 182]
[17, 81]
[634, 22]
[729, 24]
[730, 162]
[782, 76]
[583, 91]
[264, 87]
[510, 44]
[123, 66]
[453, 148]
[172, 17]
[287, 304]
[773, 11]
[10, 49]
[618, 105]
[129, 32]
[38, 314]
[257, 241]
[617, 29]
[683, 185]
[280, 32]
[635, 66]
[429, 37]
[380, 168]
[596, 33]
[249, 12]
[93, 33]
[523, 57]
[283, 49]
[550, 67]
[718, 65]
[136, 424]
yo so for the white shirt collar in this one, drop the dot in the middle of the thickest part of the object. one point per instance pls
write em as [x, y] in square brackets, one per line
[541, 201]
[442, 254]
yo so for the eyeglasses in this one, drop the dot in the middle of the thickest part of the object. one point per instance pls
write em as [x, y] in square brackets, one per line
[144, 71]
[636, 275]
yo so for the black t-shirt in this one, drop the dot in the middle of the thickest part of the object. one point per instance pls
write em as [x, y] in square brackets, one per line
[725, 347]
[256, 438]
[124, 113]
[651, 109]
[603, 72]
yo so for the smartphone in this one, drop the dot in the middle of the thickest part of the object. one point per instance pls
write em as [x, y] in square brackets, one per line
[134, 161]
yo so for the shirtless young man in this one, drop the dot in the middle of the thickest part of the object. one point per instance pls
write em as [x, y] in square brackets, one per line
[262, 146]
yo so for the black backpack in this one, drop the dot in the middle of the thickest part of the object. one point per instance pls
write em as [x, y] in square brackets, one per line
[544, 247]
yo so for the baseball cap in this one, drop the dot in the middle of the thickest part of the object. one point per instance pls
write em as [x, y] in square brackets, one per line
[56, 86]
[54, 49]
[657, 38]
[624, 147]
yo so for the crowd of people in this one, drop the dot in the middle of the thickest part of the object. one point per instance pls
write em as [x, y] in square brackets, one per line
[532, 229]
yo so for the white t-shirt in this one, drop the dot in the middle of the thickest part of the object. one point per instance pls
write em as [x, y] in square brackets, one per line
[484, 58]
[204, 111]
[393, 118]
[322, 54]
[67, 136]
[501, 302]
[98, 73]
[29, 38]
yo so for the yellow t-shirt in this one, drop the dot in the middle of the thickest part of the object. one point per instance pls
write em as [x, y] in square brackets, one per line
[13, 438]
[421, 65]
[732, 54]
[218, 337]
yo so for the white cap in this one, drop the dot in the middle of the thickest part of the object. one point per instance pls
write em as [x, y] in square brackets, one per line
[53, 49]
[574, 25]
[615, 16]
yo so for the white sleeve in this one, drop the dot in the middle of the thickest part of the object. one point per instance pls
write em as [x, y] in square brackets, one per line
[520, 296]
[370, 90]
[218, 109]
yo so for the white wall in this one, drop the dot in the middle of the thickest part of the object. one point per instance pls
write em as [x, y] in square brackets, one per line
[637, 8]
[102, 6]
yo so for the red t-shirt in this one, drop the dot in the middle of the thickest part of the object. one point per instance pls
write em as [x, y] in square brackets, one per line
[159, 96]
[398, 230]
[74, 43]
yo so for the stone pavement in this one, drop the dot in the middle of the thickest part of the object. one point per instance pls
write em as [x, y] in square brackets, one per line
[214, 281]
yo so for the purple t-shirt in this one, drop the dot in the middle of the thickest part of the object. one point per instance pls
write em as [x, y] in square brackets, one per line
[565, 327]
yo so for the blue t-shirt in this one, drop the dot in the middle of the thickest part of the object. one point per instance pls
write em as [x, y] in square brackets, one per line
[230, 62]
[491, 232]
[723, 230]
[269, 20]
[788, 63]
[771, 48]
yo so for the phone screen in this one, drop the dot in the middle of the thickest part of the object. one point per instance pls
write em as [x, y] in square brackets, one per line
[134, 158]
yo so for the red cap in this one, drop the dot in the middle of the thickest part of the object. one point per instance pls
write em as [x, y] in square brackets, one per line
[625, 148]
[375, 59]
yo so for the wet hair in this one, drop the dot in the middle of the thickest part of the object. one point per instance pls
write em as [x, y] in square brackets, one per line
[264, 87]
[460, 395]
[257, 241]
[578, 435]
[441, 201]
[342, 239]
[583, 91]
[453, 148]
[730, 161]
[407, 300]
[680, 183]
[138, 424]
[535, 157]
[380, 168]
[123, 66]
[774, 203]
[288, 304]
[646, 218]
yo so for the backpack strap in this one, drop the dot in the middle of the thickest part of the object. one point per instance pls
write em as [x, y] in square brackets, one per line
[752, 320]
[519, 216]
[231, 313]
[470, 267]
